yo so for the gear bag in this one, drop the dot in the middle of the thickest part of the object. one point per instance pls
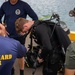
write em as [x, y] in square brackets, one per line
[55, 27]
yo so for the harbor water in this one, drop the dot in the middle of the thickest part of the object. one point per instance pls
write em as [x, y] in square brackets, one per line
[47, 7]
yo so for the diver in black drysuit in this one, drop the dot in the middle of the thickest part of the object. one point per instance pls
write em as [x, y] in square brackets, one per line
[51, 38]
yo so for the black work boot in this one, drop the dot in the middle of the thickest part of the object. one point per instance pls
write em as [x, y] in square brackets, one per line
[12, 71]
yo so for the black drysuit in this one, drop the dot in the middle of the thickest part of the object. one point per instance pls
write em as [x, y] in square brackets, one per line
[51, 38]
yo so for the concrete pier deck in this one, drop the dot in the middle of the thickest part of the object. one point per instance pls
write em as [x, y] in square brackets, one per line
[28, 71]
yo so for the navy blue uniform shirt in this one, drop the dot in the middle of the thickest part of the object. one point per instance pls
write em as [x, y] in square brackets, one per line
[10, 49]
[12, 12]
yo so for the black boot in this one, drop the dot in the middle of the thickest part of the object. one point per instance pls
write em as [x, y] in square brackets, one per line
[12, 71]
[21, 72]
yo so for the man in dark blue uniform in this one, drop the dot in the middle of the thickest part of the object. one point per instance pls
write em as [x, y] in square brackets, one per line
[13, 9]
[10, 49]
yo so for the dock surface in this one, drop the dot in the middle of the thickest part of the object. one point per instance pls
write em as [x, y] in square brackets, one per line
[28, 71]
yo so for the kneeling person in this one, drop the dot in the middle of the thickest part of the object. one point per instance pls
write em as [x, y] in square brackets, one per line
[10, 49]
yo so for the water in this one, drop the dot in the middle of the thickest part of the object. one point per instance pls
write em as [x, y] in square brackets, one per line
[46, 7]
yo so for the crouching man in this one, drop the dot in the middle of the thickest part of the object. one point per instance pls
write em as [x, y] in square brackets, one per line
[10, 49]
[50, 37]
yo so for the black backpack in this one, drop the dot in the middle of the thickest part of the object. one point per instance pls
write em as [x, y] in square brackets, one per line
[33, 51]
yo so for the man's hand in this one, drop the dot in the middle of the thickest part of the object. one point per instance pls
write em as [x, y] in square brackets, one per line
[40, 60]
